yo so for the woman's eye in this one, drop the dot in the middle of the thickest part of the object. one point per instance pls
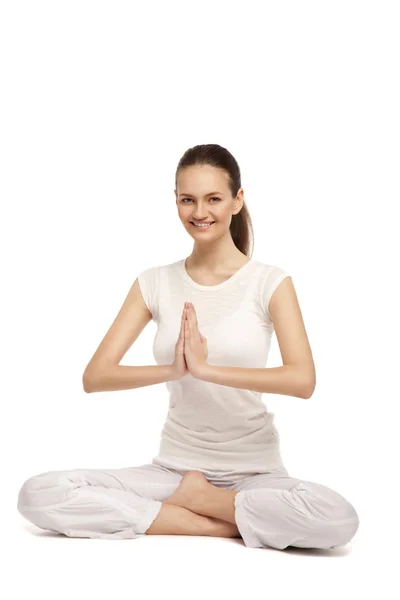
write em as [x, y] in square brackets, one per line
[215, 198]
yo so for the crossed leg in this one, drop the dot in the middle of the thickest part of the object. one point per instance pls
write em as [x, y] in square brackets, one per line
[197, 508]
[177, 520]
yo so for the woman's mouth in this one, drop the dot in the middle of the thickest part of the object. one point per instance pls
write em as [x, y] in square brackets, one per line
[201, 226]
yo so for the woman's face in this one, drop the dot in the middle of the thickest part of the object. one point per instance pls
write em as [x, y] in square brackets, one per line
[203, 195]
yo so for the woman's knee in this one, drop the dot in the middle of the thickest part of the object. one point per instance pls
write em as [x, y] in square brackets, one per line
[334, 517]
[43, 490]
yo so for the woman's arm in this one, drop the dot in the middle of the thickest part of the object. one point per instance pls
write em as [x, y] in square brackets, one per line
[122, 377]
[288, 380]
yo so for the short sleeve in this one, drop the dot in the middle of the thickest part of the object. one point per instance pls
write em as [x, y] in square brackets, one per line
[272, 277]
[148, 283]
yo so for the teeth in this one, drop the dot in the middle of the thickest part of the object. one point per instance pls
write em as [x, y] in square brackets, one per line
[203, 224]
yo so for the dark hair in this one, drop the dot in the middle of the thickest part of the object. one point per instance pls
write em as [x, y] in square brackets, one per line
[241, 227]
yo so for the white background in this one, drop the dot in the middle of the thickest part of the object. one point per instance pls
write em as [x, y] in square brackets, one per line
[99, 100]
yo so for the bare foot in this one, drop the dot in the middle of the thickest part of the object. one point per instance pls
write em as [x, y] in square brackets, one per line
[193, 483]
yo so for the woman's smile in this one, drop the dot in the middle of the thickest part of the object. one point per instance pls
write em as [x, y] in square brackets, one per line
[204, 225]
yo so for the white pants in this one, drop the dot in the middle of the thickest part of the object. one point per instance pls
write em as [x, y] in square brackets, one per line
[271, 509]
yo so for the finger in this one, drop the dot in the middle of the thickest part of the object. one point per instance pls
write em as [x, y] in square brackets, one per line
[193, 313]
[183, 320]
[193, 321]
[181, 330]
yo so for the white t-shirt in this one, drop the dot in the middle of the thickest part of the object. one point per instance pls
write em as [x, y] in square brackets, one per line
[212, 427]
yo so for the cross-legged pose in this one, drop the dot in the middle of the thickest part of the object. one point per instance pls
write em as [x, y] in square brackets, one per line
[219, 470]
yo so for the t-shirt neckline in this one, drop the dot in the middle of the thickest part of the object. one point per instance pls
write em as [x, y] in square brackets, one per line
[218, 286]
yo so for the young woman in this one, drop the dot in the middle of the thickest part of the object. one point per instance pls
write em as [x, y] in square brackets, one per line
[219, 471]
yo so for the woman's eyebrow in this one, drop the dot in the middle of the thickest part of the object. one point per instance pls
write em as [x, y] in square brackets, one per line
[210, 194]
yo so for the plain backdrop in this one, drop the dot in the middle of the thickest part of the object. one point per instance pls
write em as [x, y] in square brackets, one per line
[99, 100]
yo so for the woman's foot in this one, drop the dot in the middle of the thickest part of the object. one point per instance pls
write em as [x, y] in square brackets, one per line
[193, 483]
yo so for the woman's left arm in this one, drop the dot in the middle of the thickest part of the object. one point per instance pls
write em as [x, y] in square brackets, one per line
[296, 377]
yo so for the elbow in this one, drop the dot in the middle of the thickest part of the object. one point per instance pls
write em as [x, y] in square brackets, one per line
[305, 381]
[308, 388]
[86, 386]
[94, 377]
[87, 383]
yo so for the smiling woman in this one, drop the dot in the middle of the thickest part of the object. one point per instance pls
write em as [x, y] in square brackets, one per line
[213, 359]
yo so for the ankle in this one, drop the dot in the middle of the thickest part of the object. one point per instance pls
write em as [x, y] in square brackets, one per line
[220, 528]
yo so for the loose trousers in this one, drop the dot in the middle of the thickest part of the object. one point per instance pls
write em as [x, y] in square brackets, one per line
[271, 509]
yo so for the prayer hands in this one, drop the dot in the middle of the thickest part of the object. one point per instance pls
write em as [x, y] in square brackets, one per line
[191, 348]
[195, 344]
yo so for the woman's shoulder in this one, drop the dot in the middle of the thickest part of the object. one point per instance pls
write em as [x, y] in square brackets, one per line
[270, 268]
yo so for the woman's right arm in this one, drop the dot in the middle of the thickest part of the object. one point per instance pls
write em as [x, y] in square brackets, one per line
[122, 377]
[103, 372]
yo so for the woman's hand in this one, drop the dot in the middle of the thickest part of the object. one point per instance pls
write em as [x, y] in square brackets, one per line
[195, 344]
[179, 366]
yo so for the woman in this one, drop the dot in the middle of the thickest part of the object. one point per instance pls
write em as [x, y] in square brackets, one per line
[219, 470]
